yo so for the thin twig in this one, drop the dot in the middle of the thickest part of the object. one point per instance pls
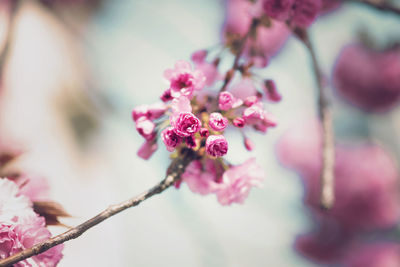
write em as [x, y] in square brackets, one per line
[380, 5]
[175, 171]
[327, 196]
[230, 73]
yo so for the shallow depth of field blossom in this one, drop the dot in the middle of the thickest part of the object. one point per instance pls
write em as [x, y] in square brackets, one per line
[200, 133]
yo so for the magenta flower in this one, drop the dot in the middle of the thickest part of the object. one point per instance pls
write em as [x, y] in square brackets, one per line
[217, 122]
[237, 182]
[170, 138]
[271, 91]
[204, 132]
[305, 12]
[185, 124]
[201, 179]
[226, 101]
[216, 145]
[183, 80]
[279, 9]
[367, 78]
[147, 149]
[146, 128]
[238, 122]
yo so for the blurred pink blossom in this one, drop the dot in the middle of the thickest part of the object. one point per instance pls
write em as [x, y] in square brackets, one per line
[201, 179]
[237, 182]
[367, 78]
[366, 179]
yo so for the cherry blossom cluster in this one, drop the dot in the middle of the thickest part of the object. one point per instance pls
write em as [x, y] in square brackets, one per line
[191, 115]
[21, 224]
[367, 200]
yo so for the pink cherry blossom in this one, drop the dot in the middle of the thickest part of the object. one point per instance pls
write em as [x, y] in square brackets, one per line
[249, 145]
[250, 100]
[217, 122]
[258, 117]
[204, 132]
[239, 122]
[237, 182]
[210, 72]
[185, 124]
[366, 179]
[305, 12]
[327, 243]
[166, 96]
[21, 227]
[13, 205]
[367, 78]
[226, 101]
[279, 9]
[170, 138]
[181, 104]
[271, 91]
[183, 80]
[199, 56]
[216, 145]
[35, 188]
[243, 89]
[147, 149]
[146, 128]
[28, 231]
[268, 41]
[201, 179]
[378, 254]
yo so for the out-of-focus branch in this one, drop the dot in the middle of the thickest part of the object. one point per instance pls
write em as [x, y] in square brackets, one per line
[242, 44]
[328, 147]
[381, 5]
[9, 38]
[174, 173]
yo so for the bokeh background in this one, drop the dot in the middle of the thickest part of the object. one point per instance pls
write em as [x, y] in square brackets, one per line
[71, 80]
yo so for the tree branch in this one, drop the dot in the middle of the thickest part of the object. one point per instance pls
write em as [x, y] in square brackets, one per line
[230, 73]
[174, 173]
[327, 197]
[380, 5]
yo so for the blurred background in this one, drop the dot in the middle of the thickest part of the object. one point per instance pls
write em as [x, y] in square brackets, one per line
[72, 75]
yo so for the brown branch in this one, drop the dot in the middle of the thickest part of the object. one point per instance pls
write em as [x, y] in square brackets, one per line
[175, 170]
[380, 5]
[230, 73]
[327, 197]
